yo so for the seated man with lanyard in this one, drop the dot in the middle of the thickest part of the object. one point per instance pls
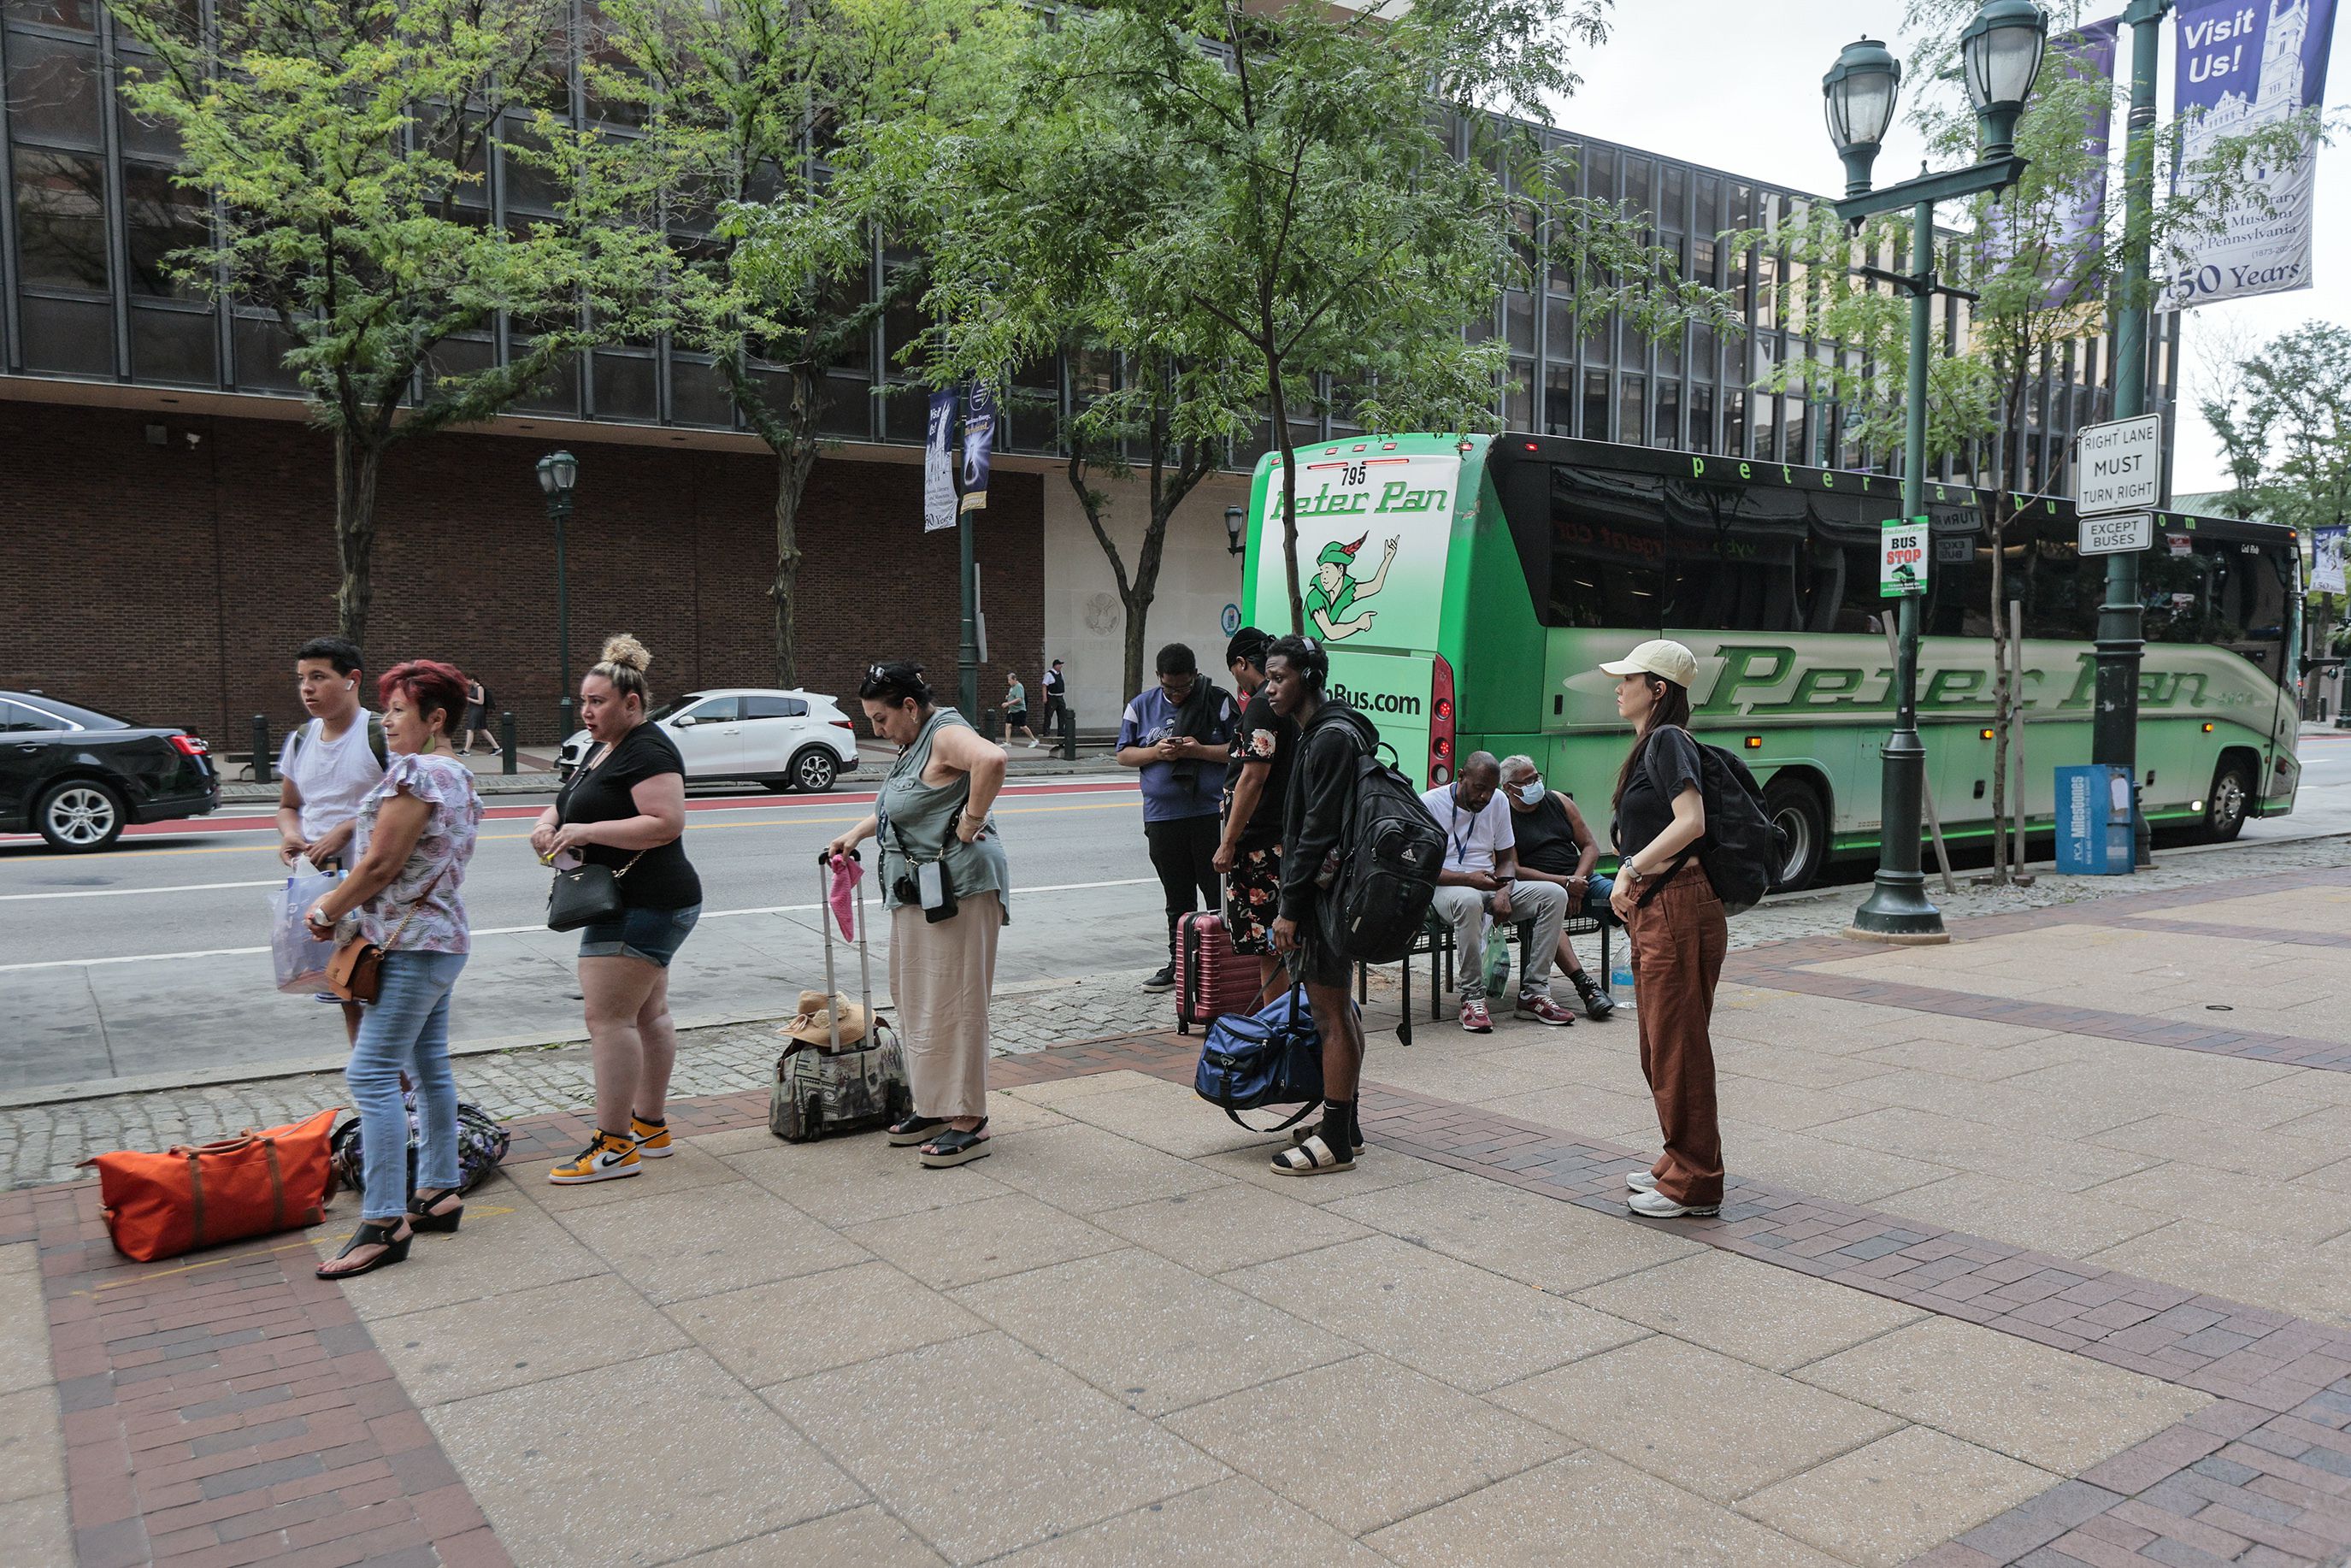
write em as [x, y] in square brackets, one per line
[1480, 880]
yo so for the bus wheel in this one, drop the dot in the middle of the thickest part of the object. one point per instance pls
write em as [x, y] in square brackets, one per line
[2225, 808]
[1794, 808]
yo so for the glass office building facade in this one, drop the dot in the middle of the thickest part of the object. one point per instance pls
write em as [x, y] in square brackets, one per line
[89, 213]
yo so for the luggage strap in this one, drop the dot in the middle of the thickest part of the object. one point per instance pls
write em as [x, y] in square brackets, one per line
[229, 1146]
[1281, 1126]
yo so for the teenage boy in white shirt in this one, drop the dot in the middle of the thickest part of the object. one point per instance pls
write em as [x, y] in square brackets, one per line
[327, 767]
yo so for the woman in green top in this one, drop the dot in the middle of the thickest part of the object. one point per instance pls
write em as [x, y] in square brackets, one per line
[948, 885]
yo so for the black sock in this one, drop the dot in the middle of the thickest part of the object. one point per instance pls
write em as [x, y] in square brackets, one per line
[1339, 1126]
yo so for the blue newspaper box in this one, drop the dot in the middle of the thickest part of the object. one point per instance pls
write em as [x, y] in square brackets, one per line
[2093, 820]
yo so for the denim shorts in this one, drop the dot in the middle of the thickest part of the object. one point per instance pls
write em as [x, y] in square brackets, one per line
[653, 934]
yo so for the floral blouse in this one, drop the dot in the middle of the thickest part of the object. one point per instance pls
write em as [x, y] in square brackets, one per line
[446, 785]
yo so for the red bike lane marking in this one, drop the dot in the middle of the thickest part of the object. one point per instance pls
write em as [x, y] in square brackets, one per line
[182, 826]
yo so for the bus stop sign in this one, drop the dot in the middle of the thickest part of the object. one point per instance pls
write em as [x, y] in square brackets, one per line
[1901, 557]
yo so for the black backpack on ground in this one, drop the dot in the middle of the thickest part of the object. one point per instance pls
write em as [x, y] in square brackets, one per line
[1389, 854]
[1743, 849]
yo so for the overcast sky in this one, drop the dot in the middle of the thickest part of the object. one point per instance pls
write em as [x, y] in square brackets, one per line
[1736, 84]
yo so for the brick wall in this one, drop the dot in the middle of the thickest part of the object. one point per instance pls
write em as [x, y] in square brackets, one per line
[172, 584]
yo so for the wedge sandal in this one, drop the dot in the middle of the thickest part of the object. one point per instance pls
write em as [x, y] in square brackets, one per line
[912, 1130]
[957, 1147]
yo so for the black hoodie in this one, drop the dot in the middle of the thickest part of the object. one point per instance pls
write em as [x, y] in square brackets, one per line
[1321, 789]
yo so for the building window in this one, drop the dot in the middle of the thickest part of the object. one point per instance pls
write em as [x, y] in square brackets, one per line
[1559, 399]
[160, 220]
[1632, 394]
[1669, 413]
[53, 92]
[169, 345]
[69, 337]
[60, 220]
[1701, 421]
[1596, 406]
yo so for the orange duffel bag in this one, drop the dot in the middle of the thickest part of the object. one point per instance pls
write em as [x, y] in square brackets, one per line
[160, 1206]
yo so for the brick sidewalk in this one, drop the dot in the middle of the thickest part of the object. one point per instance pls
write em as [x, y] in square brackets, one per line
[1884, 1383]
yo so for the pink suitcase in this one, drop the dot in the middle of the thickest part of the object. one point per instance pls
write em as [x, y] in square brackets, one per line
[1211, 979]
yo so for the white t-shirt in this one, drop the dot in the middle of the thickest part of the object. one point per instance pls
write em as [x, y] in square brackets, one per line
[331, 776]
[1472, 839]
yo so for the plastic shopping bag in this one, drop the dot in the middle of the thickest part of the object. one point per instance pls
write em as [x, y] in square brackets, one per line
[301, 959]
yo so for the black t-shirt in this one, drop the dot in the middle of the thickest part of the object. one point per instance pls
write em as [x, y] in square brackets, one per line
[662, 878]
[1262, 735]
[1670, 764]
[1546, 838]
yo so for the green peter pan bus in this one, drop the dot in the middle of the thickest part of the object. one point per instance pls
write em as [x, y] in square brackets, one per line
[1468, 589]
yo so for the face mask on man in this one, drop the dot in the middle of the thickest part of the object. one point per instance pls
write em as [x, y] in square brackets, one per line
[1532, 792]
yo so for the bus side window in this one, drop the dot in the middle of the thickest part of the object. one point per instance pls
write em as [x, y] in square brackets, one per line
[1607, 550]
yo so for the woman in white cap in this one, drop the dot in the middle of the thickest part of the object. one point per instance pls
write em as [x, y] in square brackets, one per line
[1676, 925]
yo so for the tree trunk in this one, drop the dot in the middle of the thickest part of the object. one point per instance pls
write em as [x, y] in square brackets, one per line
[357, 463]
[1288, 493]
[1134, 596]
[795, 460]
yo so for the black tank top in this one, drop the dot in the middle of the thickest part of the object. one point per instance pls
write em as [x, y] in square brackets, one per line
[1546, 841]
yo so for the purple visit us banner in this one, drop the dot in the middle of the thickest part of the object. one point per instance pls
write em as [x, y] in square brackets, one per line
[2246, 65]
[2064, 245]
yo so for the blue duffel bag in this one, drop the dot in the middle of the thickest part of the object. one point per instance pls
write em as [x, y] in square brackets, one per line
[1270, 1057]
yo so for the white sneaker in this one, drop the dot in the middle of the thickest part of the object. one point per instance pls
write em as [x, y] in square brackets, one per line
[1035, 744]
[1640, 1181]
[1658, 1205]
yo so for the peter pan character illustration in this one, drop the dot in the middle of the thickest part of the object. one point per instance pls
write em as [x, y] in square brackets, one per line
[1335, 590]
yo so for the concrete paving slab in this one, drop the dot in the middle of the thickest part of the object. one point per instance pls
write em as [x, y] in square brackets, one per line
[1473, 1328]
[1709, 1425]
[1762, 1315]
[855, 1538]
[2068, 1224]
[504, 1341]
[1886, 1504]
[1154, 1336]
[2310, 1282]
[1233, 1522]
[23, 1320]
[2063, 1413]
[965, 1243]
[1306, 1438]
[1080, 1170]
[848, 1181]
[1536, 1240]
[32, 1454]
[532, 1250]
[674, 1246]
[773, 1333]
[1002, 1451]
[2297, 1210]
[665, 1455]
[1229, 1227]
[1593, 1508]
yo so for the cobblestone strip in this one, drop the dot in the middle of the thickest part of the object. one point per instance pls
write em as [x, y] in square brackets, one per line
[229, 1407]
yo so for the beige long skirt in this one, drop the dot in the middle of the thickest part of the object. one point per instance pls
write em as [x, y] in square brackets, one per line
[940, 977]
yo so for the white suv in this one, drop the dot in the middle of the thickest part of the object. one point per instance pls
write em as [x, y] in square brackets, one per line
[785, 740]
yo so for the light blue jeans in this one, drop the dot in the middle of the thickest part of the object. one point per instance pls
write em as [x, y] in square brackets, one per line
[405, 1030]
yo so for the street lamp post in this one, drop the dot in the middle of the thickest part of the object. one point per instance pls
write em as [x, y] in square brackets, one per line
[1235, 520]
[558, 473]
[2114, 732]
[2002, 52]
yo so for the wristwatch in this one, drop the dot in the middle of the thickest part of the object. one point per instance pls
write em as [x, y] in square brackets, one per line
[1631, 873]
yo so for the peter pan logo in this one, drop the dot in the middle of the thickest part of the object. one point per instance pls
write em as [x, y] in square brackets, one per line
[1394, 497]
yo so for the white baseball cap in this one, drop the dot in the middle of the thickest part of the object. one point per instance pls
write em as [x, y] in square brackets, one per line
[1658, 656]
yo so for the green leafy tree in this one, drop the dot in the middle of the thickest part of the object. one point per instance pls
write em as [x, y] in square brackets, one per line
[745, 168]
[1307, 203]
[344, 144]
[1024, 212]
[2282, 415]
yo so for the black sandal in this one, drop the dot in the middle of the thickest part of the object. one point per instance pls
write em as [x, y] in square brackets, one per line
[910, 1130]
[424, 1212]
[370, 1233]
[957, 1147]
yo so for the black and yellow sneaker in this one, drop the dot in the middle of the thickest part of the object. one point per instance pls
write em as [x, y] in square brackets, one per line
[606, 1159]
[651, 1137]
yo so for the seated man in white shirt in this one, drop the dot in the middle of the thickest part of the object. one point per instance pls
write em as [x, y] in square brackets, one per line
[1480, 880]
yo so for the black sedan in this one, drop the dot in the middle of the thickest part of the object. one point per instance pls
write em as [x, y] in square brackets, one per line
[78, 777]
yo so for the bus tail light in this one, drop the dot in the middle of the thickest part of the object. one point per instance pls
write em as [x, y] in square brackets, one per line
[1440, 721]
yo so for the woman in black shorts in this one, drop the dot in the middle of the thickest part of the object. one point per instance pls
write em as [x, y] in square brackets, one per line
[624, 806]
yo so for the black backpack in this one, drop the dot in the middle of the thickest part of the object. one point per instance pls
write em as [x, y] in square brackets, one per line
[1389, 854]
[1743, 849]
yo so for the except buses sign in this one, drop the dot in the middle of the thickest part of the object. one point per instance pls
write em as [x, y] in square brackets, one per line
[1902, 558]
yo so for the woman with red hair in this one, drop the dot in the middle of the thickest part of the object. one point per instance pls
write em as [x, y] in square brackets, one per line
[415, 836]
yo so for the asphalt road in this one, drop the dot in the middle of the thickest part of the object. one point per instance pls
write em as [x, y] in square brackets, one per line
[151, 959]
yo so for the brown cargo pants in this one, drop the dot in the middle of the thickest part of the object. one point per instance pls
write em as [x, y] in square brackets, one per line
[1679, 939]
